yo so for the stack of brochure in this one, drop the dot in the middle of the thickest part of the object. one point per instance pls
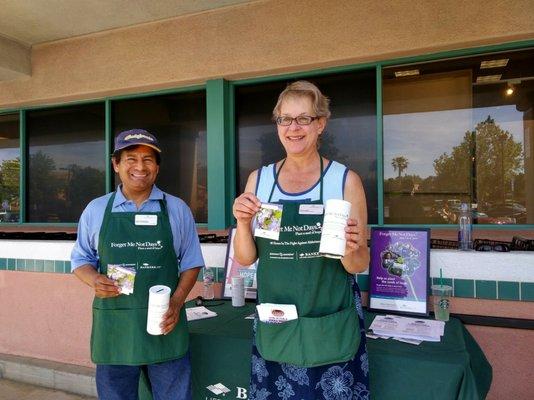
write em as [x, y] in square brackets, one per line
[413, 330]
[194, 313]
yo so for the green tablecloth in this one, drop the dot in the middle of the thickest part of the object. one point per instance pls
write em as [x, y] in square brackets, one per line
[454, 368]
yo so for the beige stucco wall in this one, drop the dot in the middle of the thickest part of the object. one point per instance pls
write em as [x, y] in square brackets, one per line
[262, 38]
[48, 316]
[15, 60]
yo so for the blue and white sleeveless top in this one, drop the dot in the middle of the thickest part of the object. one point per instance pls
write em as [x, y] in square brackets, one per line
[334, 179]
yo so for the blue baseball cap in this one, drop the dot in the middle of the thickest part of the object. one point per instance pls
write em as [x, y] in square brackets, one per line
[136, 137]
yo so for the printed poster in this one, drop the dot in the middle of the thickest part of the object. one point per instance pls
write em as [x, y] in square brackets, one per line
[399, 270]
[233, 268]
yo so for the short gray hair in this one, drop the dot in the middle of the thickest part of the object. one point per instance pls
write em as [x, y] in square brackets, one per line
[320, 103]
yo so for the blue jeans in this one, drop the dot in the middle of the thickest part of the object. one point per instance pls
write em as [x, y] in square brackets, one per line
[170, 380]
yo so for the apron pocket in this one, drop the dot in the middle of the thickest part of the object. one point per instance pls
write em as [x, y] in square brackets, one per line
[310, 342]
[120, 337]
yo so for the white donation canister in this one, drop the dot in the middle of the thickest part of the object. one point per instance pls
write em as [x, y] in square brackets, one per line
[158, 304]
[333, 239]
[238, 291]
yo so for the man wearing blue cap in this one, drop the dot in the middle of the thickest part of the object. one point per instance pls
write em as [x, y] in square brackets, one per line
[138, 228]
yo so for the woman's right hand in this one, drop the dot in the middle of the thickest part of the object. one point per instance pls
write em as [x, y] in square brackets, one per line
[245, 207]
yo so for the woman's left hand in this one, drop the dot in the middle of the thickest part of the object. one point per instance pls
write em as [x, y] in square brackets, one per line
[354, 236]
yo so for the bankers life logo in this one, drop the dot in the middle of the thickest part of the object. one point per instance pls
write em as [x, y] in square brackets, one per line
[219, 389]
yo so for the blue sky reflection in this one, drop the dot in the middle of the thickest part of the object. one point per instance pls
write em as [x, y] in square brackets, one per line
[423, 137]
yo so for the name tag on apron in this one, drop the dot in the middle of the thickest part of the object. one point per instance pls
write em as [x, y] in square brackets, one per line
[311, 209]
[147, 220]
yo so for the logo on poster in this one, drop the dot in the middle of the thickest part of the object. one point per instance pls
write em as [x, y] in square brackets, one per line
[221, 389]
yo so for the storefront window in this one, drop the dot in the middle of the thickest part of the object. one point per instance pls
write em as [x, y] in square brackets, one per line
[456, 131]
[9, 168]
[66, 161]
[350, 136]
[179, 122]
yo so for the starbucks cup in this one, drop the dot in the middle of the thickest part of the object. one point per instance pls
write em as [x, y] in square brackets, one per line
[441, 299]
[333, 239]
[158, 304]
[238, 291]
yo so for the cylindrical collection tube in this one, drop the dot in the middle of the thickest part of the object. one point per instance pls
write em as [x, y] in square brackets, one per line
[158, 304]
[333, 239]
[238, 291]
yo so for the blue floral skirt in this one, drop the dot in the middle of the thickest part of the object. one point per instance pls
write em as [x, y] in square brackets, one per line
[341, 381]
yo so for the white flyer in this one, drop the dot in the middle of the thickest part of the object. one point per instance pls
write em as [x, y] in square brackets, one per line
[201, 312]
[409, 341]
[276, 313]
[408, 328]
[437, 327]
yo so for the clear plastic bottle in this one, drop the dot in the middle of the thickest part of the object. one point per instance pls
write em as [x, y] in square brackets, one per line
[208, 279]
[465, 228]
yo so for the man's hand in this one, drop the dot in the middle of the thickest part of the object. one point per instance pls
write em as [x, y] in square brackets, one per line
[177, 300]
[102, 285]
[105, 287]
[172, 316]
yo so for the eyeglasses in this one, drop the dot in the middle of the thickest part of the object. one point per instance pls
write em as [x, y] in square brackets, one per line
[300, 120]
[493, 247]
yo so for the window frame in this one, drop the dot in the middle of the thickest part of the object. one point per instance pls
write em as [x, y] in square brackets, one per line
[108, 137]
[402, 61]
[220, 115]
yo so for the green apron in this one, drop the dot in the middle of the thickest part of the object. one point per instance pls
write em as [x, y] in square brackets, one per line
[119, 333]
[291, 271]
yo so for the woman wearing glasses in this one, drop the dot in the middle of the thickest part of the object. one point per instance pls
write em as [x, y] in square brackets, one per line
[322, 354]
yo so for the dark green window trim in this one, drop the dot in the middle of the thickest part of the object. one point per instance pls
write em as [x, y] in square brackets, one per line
[221, 153]
[23, 166]
[379, 146]
[109, 146]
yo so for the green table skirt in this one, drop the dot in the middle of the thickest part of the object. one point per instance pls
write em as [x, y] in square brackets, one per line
[454, 368]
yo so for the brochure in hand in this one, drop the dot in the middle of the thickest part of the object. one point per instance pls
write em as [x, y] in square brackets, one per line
[268, 221]
[124, 275]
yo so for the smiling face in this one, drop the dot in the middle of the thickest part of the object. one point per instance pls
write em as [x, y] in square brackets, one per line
[137, 169]
[299, 139]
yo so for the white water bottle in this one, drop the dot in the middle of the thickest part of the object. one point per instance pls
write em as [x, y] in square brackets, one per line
[207, 280]
[465, 228]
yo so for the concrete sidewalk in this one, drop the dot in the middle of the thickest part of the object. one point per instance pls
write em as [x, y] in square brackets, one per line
[23, 376]
[11, 390]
